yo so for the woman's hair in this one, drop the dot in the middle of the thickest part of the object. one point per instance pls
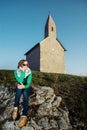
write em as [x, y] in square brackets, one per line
[21, 62]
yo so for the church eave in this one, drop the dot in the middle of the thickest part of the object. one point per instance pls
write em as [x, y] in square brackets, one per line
[32, 49]
[61, 45]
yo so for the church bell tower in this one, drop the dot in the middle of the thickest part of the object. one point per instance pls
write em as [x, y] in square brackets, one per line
[50, 28]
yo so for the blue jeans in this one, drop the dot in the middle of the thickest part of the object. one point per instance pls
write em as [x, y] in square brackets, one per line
[26, 93]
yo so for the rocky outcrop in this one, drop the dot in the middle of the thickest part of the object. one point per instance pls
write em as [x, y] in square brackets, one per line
[46, 111]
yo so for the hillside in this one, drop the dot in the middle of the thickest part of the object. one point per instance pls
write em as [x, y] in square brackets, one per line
[73, 90]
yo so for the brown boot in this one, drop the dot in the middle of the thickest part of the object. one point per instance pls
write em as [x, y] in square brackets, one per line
[22, 121]
[15, 113]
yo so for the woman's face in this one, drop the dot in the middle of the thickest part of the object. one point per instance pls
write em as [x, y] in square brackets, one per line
[25, 65]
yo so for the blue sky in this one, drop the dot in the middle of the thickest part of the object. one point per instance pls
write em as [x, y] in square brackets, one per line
[22, 26]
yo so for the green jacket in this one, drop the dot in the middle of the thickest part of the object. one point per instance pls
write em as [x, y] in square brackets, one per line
[22, 80]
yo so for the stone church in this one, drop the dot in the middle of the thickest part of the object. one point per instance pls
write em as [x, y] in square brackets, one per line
[47, 55]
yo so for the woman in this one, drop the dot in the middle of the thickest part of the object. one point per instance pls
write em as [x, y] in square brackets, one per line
[23, 76]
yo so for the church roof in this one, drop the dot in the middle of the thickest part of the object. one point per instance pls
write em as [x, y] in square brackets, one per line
[61, 45]
[42, 43]
[48, 19]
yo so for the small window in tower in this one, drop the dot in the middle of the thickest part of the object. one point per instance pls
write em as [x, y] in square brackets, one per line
[52, 29]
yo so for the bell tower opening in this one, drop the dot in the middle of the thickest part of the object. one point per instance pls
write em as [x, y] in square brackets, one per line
[52, 29]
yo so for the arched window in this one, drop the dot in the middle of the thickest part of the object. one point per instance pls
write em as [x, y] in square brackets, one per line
[52, 29]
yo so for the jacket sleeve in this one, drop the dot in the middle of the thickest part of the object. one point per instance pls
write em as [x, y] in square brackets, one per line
[21, 78]
[29, 79]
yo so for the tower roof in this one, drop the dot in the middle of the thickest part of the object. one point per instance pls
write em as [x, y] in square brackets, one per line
[49, 19]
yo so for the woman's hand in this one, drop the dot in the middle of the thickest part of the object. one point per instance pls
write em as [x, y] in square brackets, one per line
[20, 86]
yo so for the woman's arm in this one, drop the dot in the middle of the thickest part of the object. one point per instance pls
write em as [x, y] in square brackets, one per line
[29, 79]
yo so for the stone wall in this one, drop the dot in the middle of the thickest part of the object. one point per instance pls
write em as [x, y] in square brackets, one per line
[51, 56]
[34, 58]
[45, 111]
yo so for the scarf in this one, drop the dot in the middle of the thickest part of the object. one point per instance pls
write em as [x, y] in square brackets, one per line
[27, 72]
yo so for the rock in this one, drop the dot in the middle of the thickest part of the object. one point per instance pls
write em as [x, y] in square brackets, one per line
[44, 122]
[13, 126]
[10, 125]
[45, 111]
[43, 94]
[57, 101]
[35, 126]
[53, 124]
[62, 124]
